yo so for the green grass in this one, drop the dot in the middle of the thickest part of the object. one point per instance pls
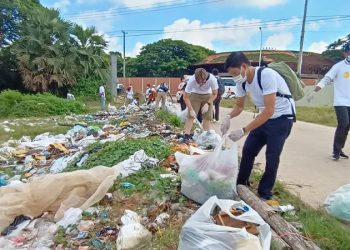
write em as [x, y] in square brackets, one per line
[111, 153]
[326, 231]
[319, 115]
[169, 118]
[15, 104]
[31, 127]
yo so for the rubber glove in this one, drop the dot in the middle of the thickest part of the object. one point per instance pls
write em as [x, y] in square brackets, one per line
[205, 108]
[225, 125]
[235, 135]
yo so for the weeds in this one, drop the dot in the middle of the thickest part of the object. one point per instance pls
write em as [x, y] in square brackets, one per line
[15, 104]
[169, 118]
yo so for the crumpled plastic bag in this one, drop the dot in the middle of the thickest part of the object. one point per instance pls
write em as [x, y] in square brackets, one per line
[207, 139]
[209, 174]
[134, 163]
[71, 217]
[201, 232]
[337, 203]
[132, 234]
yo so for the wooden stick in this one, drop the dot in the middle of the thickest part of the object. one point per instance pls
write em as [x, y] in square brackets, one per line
[285, 230]
[278, 243]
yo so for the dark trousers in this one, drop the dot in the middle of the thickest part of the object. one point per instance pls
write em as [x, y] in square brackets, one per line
[273, 134]
[182, 104]
[341, 133]
[216, 108]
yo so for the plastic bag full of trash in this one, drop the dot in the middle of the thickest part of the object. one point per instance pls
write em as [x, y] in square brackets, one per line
[207, 139]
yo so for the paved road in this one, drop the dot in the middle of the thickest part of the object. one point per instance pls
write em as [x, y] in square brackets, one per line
[306, 166]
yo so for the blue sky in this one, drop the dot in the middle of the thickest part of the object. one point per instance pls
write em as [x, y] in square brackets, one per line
[221, 25]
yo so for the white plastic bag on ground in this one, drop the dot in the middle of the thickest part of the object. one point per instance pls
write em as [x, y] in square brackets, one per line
[132, 234]
[134, 163]
[338, 203]
[207, 139]
[201, 232]
[71, 217]
[212, 173]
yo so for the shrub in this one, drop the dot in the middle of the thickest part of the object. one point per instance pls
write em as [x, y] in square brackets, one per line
[15, 104]
[86, 89]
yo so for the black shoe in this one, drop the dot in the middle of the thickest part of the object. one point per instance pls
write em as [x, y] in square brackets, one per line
[343, 156]
[335, 157]
[186, 139]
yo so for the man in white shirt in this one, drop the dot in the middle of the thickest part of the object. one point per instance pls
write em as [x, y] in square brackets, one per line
[200, 92]
[102, 94]
[339, 74]
[271, 127]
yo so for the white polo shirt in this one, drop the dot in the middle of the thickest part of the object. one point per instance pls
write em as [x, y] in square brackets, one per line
[340, 75]
[207, 88]
[271, 82]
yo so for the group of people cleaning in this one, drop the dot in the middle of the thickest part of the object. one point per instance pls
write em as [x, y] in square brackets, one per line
[270, 93]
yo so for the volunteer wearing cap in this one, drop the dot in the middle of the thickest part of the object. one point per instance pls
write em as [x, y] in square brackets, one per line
[271, 127]
[200, 92]
[339, 74]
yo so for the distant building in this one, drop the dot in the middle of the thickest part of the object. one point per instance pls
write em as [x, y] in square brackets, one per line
[314, 65]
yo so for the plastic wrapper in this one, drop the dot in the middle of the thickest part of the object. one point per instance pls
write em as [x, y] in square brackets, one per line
[338, 203]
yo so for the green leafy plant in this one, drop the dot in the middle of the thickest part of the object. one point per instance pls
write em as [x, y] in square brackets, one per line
[169, 118]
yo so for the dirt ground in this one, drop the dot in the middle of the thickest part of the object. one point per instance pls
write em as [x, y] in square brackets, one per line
[306, 166]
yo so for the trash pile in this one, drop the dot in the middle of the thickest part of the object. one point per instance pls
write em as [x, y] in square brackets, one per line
[133, 203]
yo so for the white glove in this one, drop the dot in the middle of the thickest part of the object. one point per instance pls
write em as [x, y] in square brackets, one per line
[236, 134]
[225, 125]
[192, 114]
[310, 96]
[205, 108]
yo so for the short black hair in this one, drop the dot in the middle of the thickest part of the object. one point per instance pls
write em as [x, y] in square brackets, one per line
[235, 60]
[215, 71]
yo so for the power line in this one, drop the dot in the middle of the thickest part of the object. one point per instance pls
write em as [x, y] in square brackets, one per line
[270, 24]
[127, 11]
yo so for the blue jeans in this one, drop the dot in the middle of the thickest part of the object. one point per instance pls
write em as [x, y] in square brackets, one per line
[102, 103]
[273, 134]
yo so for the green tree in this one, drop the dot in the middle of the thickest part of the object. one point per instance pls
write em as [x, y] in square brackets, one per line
[334, 50]
[166, 58]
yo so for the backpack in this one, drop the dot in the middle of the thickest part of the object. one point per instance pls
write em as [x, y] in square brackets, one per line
[164, 87]
[221, 85]
[294, 83]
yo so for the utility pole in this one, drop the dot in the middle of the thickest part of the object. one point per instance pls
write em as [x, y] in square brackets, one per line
[260, 55]
[300, 61]
[123, 31]
[114, 78]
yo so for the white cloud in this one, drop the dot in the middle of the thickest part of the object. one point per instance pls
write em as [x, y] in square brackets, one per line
[62, 4]
[279, 41]
[314, 26]
[262, 4]
[136, 50]
[206, 34]
[144, 4]
[318, 47]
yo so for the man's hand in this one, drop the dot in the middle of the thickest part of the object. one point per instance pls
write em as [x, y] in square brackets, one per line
[236, 134]
[205, 108]
[310, 96]
[192, 113]
[225, 125]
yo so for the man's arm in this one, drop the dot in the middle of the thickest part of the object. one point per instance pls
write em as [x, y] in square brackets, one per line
[213, 96]
[269, 102]
[238, 108]
[187, 101]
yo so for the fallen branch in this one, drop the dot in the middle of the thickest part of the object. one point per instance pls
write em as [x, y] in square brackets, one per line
[283, 229]
[278, 243]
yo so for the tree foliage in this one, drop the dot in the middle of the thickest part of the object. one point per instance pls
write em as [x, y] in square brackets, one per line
[334, 50]
[166, 58]
[50, 53]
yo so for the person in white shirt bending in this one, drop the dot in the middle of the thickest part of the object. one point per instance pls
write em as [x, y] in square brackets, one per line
[339, 74]
[271, 95]
[200, 92]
